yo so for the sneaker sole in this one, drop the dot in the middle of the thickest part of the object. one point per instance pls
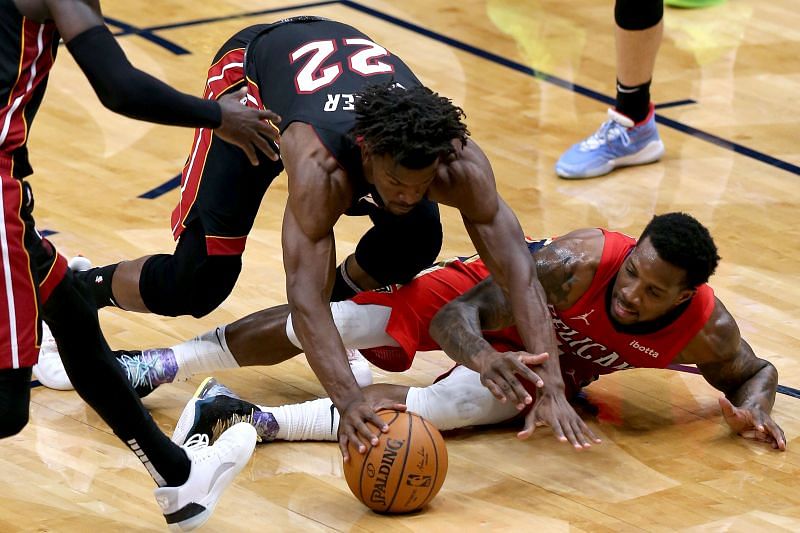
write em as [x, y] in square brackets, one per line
[187, 418]
[649, 154]
[214, 494]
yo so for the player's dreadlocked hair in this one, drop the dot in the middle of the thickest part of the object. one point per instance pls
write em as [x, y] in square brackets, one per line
[414, 126]
[681, 240]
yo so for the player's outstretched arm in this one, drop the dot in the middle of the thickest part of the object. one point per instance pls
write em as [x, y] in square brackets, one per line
[124, 89]
[488, 219]
[318, 195]
[749, 383]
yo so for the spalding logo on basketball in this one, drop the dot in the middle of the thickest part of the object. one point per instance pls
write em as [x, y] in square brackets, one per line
[404, 471]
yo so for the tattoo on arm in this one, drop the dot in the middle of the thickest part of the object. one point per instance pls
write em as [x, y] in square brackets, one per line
[458, 326]
[556, 271]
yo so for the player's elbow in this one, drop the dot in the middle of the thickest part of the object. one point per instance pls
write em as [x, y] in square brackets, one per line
[119, 100]
[443, 320]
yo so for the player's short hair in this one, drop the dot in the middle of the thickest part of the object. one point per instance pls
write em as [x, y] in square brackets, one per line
[414, 126]
[681, 240]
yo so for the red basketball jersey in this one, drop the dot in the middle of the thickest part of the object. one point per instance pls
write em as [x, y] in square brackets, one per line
[589, 343]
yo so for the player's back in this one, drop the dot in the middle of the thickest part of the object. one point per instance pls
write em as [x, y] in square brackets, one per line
[308, 69]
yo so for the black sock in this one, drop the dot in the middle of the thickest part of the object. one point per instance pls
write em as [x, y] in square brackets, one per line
[99, 380]
[634, 102]
[15, 397]
[98, 282]
[343, 287]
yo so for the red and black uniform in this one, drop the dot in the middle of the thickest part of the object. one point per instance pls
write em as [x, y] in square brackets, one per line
[590, 343]
[29, 266]
[35, 282]
[306, 69]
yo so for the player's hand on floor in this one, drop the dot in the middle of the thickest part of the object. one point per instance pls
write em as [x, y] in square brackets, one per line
[358, 423]
[753, 423]
[499, 371]
[552, 409]
[247, 127]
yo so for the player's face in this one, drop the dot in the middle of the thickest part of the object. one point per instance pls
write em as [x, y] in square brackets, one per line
[647, 287]
[400, 188]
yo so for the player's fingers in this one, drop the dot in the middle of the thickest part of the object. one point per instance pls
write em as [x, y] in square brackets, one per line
[494, 389]
[343, 448]
[268, 131]
[266, 114]
[249, 152]
[352, 434]
[569, 435]
[518, 393]
[776, 433]
[728, 409]
[586, 430]
[558, 431]
[262, 145]
[529, 428]
[373, 418]
[533, 359]
[524, 371]
[581, 434]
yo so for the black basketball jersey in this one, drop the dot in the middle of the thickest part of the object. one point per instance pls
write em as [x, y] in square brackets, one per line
[308, 69]
[27, 52]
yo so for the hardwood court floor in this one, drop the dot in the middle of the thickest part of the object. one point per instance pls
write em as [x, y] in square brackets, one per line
[668, 460]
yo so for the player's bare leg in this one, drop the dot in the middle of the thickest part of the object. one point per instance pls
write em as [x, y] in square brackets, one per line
[125, 285]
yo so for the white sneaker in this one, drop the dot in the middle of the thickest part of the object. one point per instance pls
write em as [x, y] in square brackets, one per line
[213, 469]
[360, 367]
[50, 370]
[79, 263]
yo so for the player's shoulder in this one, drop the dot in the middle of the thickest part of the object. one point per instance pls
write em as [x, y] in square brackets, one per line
[717, 341]
[309, 163]
[584, 246]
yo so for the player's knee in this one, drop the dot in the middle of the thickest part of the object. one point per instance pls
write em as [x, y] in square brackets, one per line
[212, 283]
[636, 15]
[172, 287]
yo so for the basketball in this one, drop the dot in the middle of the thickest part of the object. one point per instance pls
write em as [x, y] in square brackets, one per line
[404, 471]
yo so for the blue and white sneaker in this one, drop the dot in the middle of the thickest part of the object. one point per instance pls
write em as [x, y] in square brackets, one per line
[618, 143]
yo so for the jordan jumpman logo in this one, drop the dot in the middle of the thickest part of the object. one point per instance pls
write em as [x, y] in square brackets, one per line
[584, 317]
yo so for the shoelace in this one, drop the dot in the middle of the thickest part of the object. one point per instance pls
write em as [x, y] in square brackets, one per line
[196, 442]
[609, 131]
[138, 369]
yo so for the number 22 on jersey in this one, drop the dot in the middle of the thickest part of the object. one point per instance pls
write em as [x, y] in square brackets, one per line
[313, 76]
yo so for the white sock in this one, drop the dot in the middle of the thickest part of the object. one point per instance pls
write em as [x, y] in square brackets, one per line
[203, 354]
[314, 420]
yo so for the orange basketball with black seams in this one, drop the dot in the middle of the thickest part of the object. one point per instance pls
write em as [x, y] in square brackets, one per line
[404, 471]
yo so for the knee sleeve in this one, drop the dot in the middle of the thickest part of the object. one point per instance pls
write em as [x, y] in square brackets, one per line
[458, 401]
[15, 387]
[188, 282]
[397, 248]
[360, 326]
[638, 14]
